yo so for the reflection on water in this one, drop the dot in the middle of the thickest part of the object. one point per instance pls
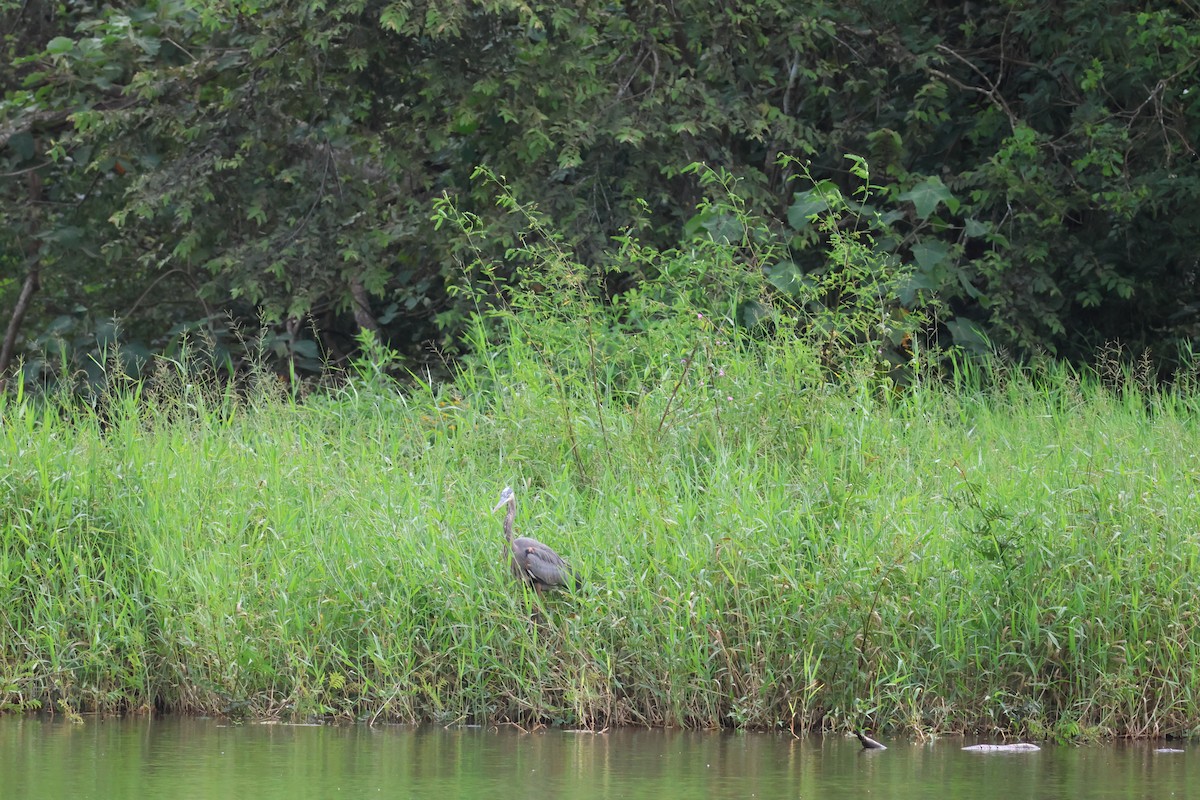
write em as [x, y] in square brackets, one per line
[189, 758]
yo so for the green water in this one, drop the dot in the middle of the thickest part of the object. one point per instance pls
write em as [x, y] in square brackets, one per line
[189, 758]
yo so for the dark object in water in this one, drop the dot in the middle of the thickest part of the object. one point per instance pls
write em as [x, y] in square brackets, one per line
[868, 743]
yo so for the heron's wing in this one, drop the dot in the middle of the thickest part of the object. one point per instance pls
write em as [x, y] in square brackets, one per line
[541, 563]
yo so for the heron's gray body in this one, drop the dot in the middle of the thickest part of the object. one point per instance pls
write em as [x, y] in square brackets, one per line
[533, 562]
[536, 563]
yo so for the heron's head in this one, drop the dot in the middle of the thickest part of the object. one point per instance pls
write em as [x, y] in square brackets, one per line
[506, 497]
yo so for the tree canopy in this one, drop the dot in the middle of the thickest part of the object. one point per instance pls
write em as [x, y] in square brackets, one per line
[194, 165]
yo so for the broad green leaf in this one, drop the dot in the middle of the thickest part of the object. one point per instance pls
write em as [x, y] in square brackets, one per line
[724, 228]
[968, 335]
[149, 45]
[975, 228]
[967, 286]
[754, 313]
[786, 277]
[926, 196]
[931, 256]
[305, 348]
[59, 45]
[806, 205]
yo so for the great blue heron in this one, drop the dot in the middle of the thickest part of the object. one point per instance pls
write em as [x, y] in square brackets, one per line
[533, 562]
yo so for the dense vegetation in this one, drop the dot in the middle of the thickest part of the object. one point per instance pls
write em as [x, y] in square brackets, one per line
[757, 404]
[192, 165]
[771, 532]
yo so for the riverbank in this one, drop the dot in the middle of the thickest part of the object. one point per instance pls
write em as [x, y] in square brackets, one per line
[762, 547]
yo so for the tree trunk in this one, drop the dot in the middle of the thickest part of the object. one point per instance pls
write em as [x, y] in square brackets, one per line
[32, 284]
[14, 324]
[362, 307]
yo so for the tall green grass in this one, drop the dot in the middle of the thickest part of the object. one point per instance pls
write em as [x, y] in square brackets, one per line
[768, 539]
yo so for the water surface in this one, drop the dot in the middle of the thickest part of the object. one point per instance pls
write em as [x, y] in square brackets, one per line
[197, 758]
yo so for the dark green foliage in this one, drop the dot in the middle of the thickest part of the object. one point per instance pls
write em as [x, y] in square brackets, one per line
[183, 164]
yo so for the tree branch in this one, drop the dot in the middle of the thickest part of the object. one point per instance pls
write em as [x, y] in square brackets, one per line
[31, 121]
[992, 92]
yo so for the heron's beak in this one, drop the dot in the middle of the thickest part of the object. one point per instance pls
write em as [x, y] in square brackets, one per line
[505, 497]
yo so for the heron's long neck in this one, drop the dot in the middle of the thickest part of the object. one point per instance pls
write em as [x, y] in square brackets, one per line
[508, 520]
